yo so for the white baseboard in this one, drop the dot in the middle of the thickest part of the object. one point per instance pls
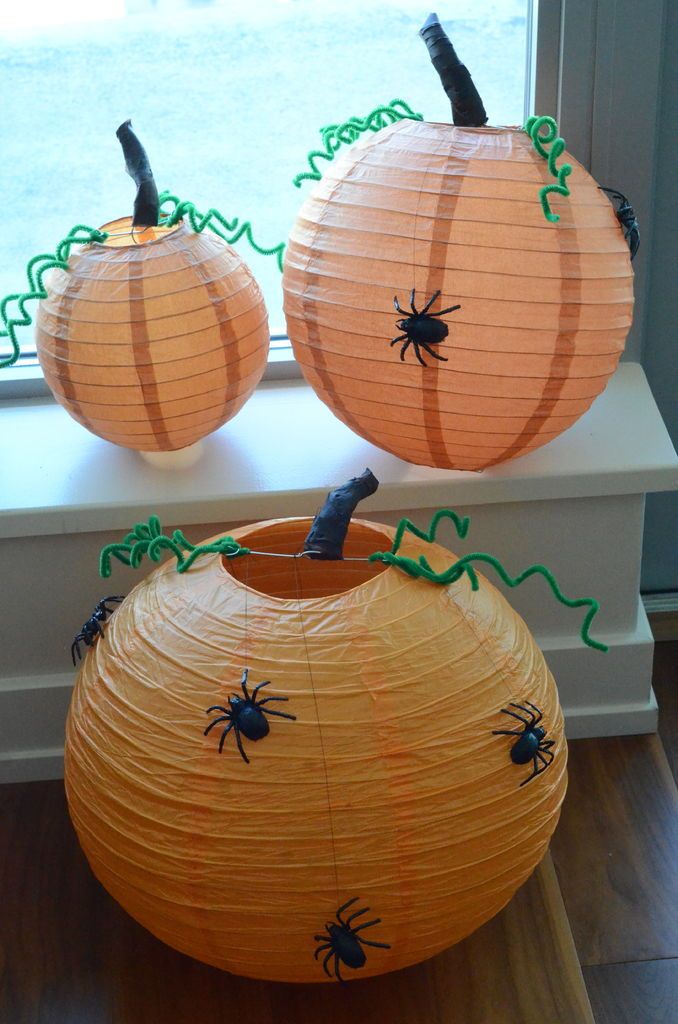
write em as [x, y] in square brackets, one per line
[666, 602]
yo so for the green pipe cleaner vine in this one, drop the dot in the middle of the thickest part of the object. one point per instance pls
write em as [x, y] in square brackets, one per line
[420, 569]
[230, 230]
[533, 127]
[36, 269]
[333, 136]
[148, 539]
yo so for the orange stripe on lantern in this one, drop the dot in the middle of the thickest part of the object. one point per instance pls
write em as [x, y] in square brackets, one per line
[142, 358]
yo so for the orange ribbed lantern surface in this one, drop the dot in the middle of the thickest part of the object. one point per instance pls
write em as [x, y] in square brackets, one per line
[388, 786]
[545, 307]
[153, 338]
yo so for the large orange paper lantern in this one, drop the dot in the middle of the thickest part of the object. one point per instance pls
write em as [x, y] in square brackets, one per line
[451, 216]
[388, 786]
[153, 338]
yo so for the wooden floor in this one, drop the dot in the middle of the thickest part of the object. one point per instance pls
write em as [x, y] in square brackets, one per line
[70, 955]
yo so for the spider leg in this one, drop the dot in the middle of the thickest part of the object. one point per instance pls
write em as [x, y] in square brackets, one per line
[546, 756]
[508, 732]
[243, 683]
[418, 353]
[239, 742]
[505, 711]
[547, 744]
[529, 711]
[356, 913]
[256, 689]
[430, 303]
[396, 340]
[222, 718]
[535, 708]
[404, 349]
[368, 942]
[327, 945]
[425, 346]
[337, 972]
[278, 714]
[224, 734]
[368, 924]
[414, 308]
[443, 312]
[218, 707]
[397, 306]
[75, 646]
[535, 772]
[267, 700]
[328, 957]
[345, 906]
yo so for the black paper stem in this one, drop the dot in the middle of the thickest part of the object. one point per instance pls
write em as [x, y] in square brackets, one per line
[467, 107]
[146, 203]
[330, 526]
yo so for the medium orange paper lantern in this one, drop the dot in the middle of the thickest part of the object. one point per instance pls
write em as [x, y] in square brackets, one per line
[384, 786]
[154, 337]
[449, 219]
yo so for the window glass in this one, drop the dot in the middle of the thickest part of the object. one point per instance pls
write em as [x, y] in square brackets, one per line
[227, 98]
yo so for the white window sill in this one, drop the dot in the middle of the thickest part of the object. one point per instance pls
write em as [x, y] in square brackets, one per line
[284, 450]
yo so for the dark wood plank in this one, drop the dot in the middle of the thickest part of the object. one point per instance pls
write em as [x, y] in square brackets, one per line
[615, 850]
[665, 683]
[72, 955]
[637, 993]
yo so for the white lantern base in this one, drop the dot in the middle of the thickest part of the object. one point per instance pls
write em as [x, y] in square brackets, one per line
[182, 458]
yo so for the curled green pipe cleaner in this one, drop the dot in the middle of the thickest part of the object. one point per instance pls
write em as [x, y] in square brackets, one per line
[148, 539]
[533, 127]
[333, 136]
[36, 269]
[230, 230]
[420, 569]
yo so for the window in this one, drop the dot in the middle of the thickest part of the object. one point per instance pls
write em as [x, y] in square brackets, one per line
[226, 96]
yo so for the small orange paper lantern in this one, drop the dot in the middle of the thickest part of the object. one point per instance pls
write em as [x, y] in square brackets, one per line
[389, 785]
[153, 338]
[452, 216]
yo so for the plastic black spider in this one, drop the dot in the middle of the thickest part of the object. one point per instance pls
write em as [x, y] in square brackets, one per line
[531, 745]
[626, 216]
[246, 716]
[422, 329]
[343, 941]
[91, 630]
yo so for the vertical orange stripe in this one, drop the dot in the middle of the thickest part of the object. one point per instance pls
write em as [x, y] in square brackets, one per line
[65, 308]
[435, 279]
[141, 349]
[568, 324]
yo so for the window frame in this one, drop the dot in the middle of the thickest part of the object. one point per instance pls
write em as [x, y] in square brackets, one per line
[576, 54]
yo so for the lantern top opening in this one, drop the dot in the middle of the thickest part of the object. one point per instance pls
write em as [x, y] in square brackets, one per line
[122, 234]
[303, 578]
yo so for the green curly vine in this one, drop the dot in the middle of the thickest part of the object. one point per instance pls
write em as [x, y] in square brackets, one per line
[230, 230]
[148, 539]
[533, 127]
[334, 136]
[420, 569]
[36, 269]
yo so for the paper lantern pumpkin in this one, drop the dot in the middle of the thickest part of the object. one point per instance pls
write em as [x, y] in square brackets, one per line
[395, 786]
[153, 339]
[438, 217]
[154, 332]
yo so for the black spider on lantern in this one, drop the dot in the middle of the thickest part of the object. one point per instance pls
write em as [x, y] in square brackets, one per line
[91, 630]
[343, 941]
[626, 216]
[421, 328]
[531, 745]
[246, 716]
